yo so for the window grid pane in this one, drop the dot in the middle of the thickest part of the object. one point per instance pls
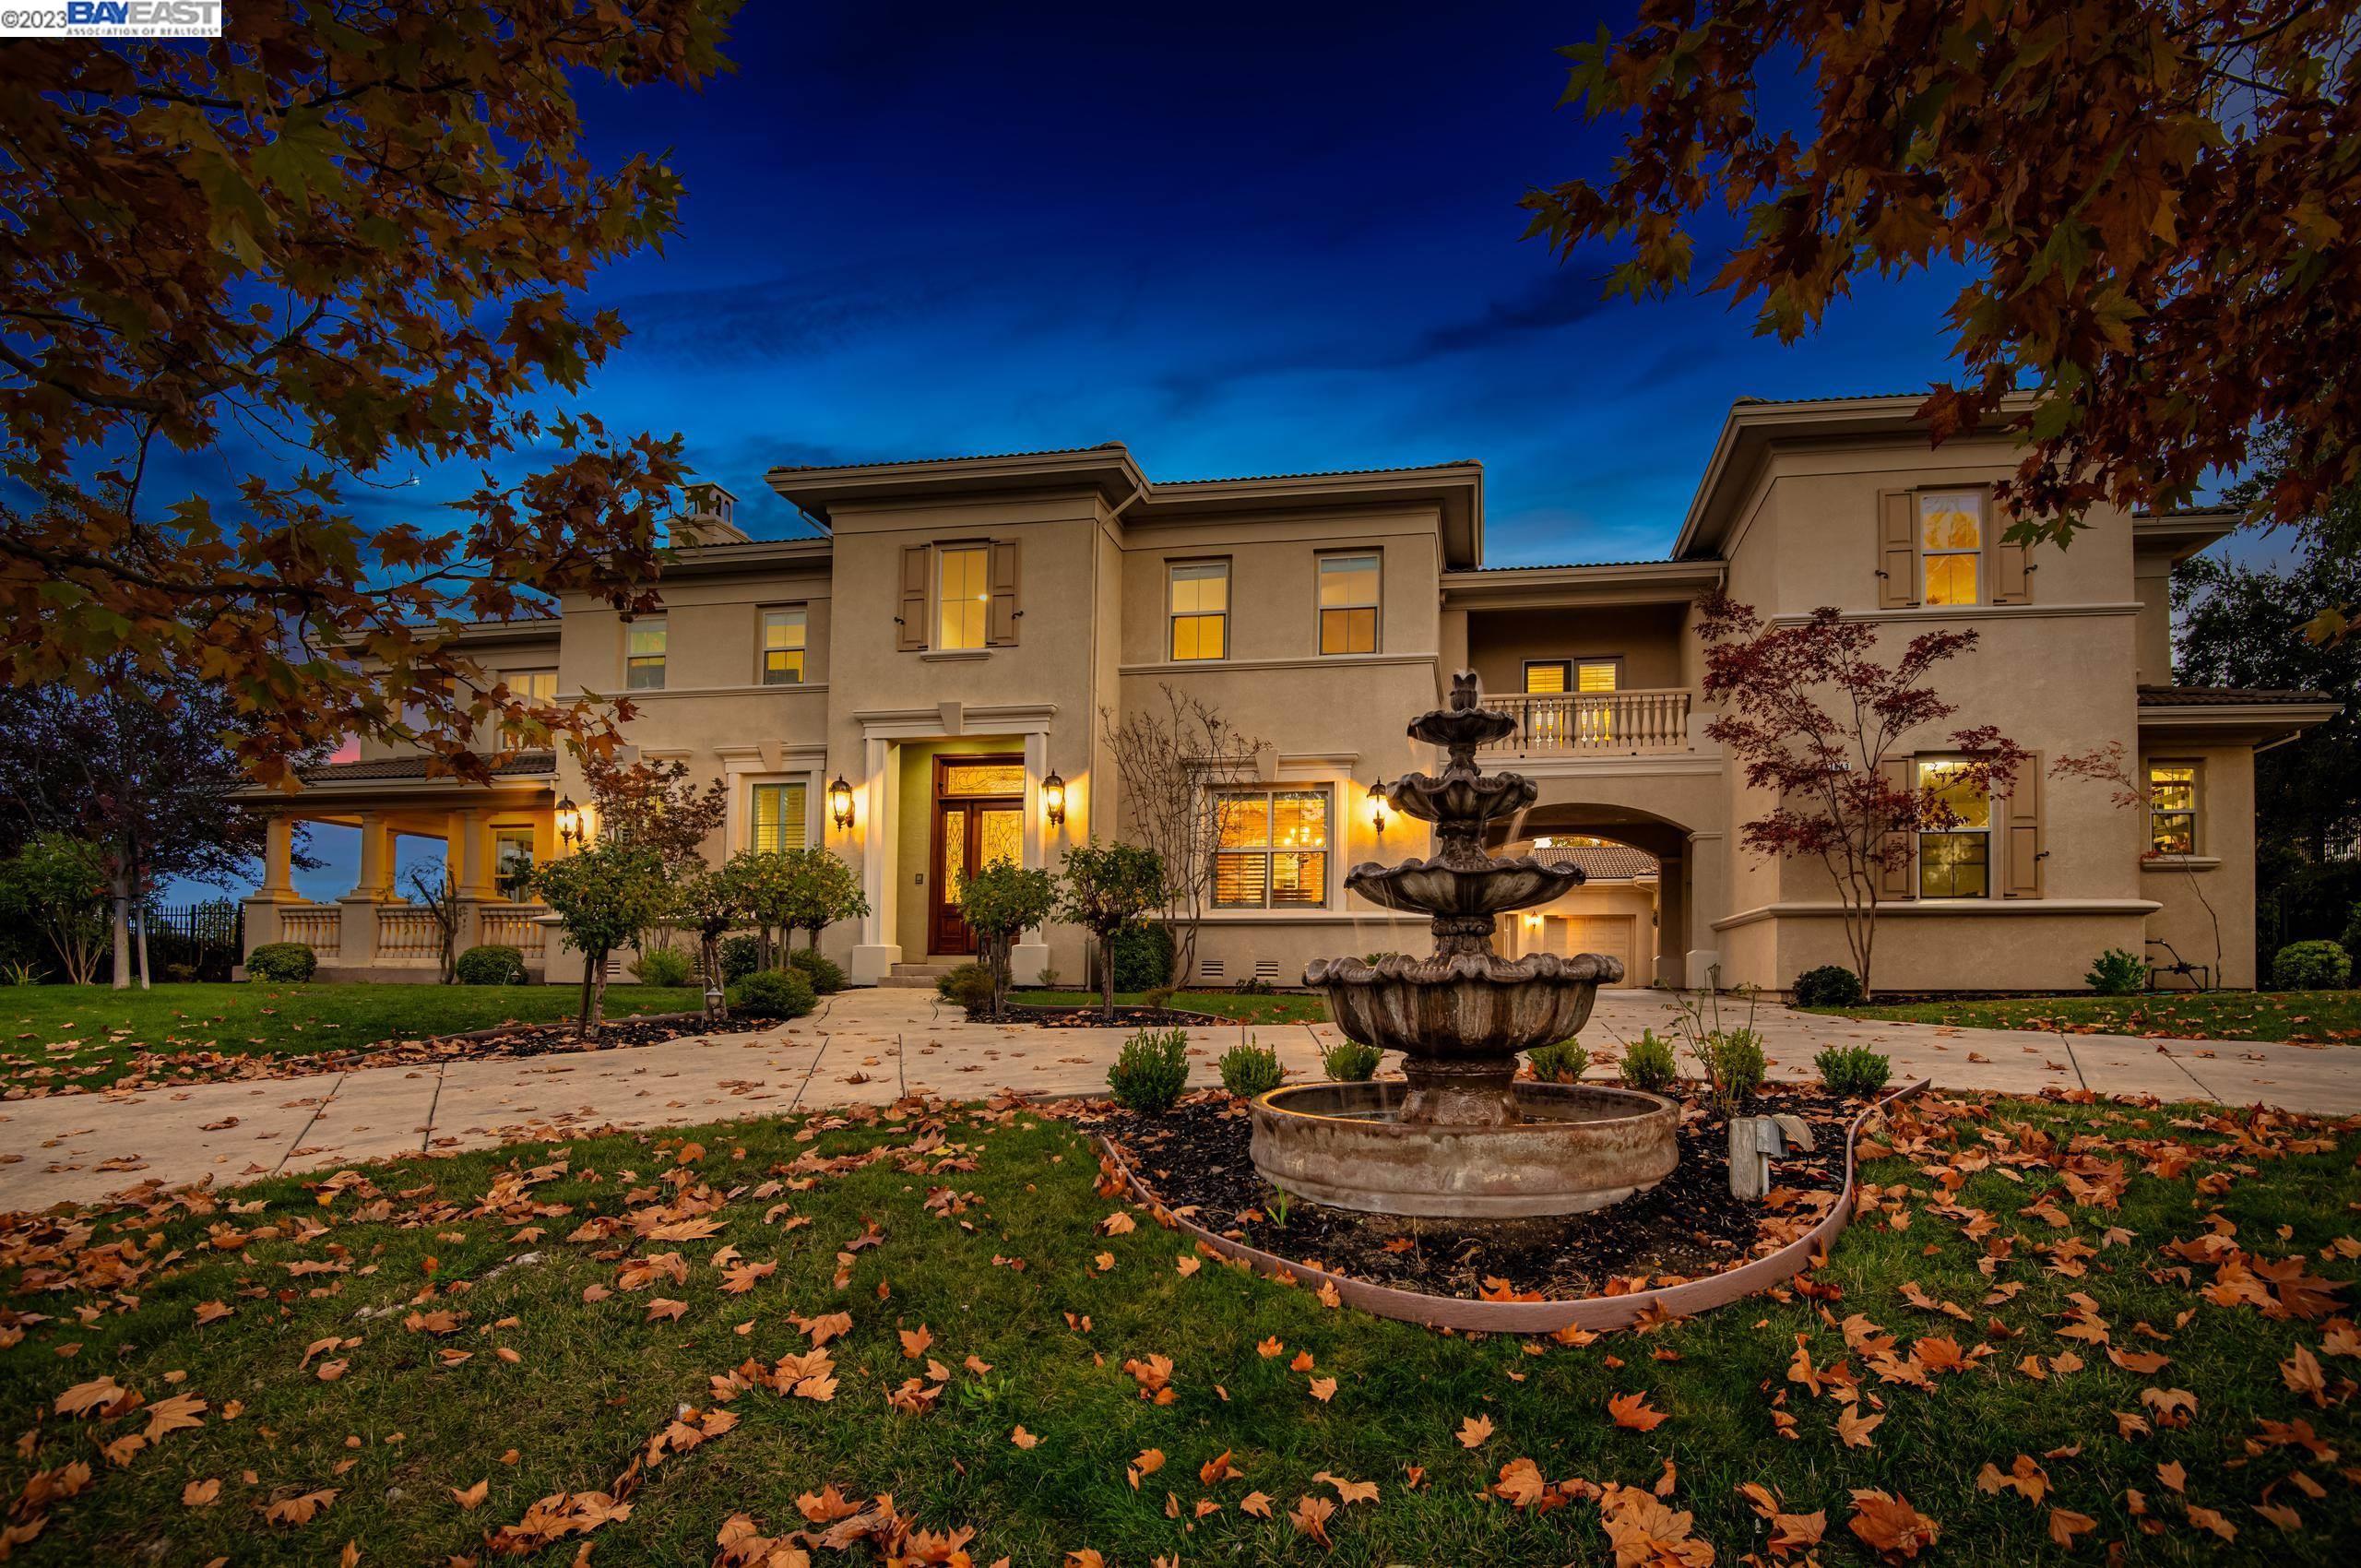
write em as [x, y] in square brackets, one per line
[779, 822]
[1272, 849]
[1347, 581]
[783, 644]
[965, 594]
[1951, 539]
[1597, 676]
[1199, 610]
[1545, 679]
[2172, 808]
[1348, 630]
[644, 656]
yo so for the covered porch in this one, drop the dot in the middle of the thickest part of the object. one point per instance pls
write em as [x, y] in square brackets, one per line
[486, 836]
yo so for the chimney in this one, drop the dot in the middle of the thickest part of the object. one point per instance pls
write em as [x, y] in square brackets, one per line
[707, 515]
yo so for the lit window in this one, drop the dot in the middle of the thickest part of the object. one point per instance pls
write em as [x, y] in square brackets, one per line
[511, 860]
[2172, 807]
[1546, 678]
[783, 637]
[1348, 588]
[963, 595]
[644, 656]
[534, 685]
[1271, 849]
[1951, 545]
[777, 817]
[1200, 609]
[1955, 862]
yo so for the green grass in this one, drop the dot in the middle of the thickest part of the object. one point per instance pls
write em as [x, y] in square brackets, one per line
[1283, 1007]
[88, 1035]
[2311, 1016]
[510, 1240]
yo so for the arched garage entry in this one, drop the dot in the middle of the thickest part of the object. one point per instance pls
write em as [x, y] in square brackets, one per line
[1654, 881]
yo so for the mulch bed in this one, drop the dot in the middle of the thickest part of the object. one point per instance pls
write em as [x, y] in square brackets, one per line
[157, 1069]
[1091, 1017]
[1196, 1156]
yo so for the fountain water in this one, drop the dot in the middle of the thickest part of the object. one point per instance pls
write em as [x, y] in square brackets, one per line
[1461, 1138]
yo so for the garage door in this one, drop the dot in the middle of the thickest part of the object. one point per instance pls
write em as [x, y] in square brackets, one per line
[1610, 936]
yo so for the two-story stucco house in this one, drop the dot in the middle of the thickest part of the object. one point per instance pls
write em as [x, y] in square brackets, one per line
[966, 627]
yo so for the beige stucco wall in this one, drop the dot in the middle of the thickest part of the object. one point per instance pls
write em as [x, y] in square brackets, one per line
[2220, 874]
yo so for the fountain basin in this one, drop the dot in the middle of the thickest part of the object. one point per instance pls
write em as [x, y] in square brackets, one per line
[1463, 1005]
[1576, 1146]
[1435, 887]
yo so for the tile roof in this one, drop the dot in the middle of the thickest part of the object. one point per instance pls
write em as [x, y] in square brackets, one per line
[1601, 862]
[1323, 473]
[520, 763]
[958, 458]
[2219, 696]
[1565, 565]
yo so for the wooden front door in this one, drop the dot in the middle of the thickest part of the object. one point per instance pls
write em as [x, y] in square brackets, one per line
[978, 818]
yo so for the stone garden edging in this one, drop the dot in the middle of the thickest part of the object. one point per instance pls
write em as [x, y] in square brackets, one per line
[1592, 1313]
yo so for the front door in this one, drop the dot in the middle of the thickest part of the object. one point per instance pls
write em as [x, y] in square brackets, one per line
[978, 818]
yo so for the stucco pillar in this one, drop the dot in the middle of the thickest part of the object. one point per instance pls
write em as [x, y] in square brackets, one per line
[376, 860]
[1026, 959]
[277, 860]
[1671, 935]
[1708, 900]
[469, 855]
[874, 827]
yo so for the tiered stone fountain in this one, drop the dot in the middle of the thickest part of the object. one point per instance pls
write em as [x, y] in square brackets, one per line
[1461, 1138]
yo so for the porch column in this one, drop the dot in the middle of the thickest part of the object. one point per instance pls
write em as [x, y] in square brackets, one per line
[1026, 959]
[376, 882]
[1707, 900]
[1672, 918]
[277, 860]
[469, 855]
[875, 954]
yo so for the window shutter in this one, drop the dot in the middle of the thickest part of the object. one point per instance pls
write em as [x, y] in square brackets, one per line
[2011, 564]
[1898, 874]
[910, 631]
[1897, 549]
[1002, 631]
[2021, 871]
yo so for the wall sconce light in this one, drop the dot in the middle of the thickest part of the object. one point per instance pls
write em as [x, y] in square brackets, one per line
[841, 802]
[569, 822]
[1377, 806]
[1054, 798]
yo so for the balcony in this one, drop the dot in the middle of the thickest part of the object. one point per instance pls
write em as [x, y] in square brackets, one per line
[1626, 723]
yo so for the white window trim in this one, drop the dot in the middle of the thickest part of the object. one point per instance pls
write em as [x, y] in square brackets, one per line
[1919, 840]
[664, 665]
[1332, 882]
[1320, 611]
[1981, 553]
[2196, 808]
[943, 553]
[806, 766]
[1228, 582]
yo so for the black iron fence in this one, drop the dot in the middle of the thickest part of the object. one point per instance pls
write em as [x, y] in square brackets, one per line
[195, 942]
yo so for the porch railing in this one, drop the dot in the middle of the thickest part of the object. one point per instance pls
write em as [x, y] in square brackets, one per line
[1594, 723]
[407, 936]
[319, 928]
[514, 925]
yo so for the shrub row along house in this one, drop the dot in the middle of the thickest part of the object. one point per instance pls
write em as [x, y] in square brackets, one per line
[935, 683]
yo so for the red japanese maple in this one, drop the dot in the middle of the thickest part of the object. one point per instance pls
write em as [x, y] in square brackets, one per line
[1815, 717]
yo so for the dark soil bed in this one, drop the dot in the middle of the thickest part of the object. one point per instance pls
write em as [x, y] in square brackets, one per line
[1196, 1155]
[1088, 1017]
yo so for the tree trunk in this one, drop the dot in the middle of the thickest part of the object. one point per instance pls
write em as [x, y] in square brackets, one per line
[143, 949]
[1106, 978]
[120, 888]
[585, 1024]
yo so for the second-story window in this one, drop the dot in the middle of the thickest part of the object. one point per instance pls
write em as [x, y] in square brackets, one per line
[1199, 610]
[1951, 545]
[1956, 862]
[531, 685]
[2172, 808]
[1551, 676]
[644, 654]
[1349, 590]
[783, 638]
[962, 595]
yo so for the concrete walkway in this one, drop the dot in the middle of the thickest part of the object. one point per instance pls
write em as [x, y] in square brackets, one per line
[874, 1046]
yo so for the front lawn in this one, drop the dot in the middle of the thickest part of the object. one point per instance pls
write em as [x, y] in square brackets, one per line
[88, 1035]
[684, 1348]
[2310, 1018]
[1280, 1007]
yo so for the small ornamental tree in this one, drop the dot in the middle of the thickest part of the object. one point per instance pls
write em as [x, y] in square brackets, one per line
[1000, 903]
[1170, 760]
[1108, 889]
[57, 883]
[1815, 717]
[439, 897]
[764, 885]
[604, 895]
[658, 807]
[710, 902]
[821, 890]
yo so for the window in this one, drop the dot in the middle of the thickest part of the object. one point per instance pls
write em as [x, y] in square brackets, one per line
[777, 817]
[644, 654]
[1200, 609]
[534, 685]
[1348, 585]
[1550, 677]
[511, 860]
[783, 639]
[1271, 849]
[1956, 862]
[2172, 807]
[1951, 545]
[962, 595]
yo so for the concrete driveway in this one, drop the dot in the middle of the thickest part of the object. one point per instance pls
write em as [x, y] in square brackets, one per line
[874, 1046]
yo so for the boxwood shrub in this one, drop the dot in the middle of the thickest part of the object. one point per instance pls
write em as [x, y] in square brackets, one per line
[492, 963]
[282, 962]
